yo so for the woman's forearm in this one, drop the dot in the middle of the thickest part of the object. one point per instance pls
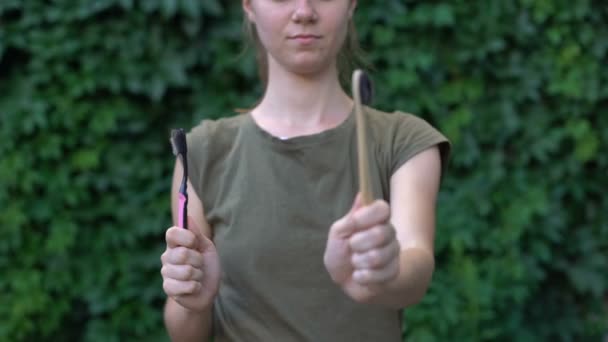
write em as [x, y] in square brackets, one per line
[184, 325]
[415, 274]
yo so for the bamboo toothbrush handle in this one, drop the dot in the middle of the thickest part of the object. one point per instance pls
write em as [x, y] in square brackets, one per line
[363, 161]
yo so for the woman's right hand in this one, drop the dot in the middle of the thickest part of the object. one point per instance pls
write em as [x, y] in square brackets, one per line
[191, 268]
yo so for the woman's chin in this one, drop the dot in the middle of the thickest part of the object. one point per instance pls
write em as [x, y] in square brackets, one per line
[308, 67]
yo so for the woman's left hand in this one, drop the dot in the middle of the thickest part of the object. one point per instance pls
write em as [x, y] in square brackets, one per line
[362, 252]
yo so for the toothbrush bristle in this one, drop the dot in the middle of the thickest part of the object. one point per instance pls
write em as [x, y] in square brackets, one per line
[173, 147]
[178, 142]
[366, 89]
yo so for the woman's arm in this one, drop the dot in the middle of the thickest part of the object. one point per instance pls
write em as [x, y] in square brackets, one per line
[381, 254]
[414, 188]
[182, 323]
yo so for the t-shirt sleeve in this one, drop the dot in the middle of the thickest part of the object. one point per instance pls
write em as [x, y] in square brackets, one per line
[414, 135]
[198, 147]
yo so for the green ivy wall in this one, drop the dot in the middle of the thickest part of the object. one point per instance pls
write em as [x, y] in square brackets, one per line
[89, 91]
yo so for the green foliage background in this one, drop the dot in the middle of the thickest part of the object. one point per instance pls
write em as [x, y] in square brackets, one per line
[89, 91]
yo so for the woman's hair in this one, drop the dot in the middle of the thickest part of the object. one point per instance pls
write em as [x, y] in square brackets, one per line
[350, 57]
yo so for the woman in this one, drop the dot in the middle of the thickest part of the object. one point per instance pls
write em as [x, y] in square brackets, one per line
[280, 247]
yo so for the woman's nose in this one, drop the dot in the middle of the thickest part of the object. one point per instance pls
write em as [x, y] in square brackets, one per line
[304, 11]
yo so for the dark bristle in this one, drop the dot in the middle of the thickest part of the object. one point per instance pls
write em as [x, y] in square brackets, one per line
[178, 142]
[366, 89]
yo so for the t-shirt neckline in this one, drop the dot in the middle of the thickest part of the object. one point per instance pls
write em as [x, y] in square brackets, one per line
[301, 140]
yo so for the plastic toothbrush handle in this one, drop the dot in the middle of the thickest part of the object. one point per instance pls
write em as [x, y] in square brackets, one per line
[183, 211]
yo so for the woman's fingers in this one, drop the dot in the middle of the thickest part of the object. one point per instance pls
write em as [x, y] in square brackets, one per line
[183, 256]
[182, 272]
[372, 238]
[369, 277]
[376, 266]
[376, 213]
[376, 258]
[180, 237]
[174, 288]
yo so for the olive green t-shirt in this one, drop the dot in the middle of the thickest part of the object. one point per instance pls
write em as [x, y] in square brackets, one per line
[270, 203]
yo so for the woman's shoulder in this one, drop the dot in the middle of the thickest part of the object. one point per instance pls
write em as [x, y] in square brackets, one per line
[402, 135]
[221, 125]
[397, 122]
[383, 117]
[217, 129]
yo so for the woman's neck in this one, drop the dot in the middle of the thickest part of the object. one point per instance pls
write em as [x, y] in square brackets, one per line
[295, 104]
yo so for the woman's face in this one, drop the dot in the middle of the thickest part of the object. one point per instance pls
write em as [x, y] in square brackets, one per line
[303, 36]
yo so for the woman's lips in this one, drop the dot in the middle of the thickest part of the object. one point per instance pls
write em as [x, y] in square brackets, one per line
[305, 39]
